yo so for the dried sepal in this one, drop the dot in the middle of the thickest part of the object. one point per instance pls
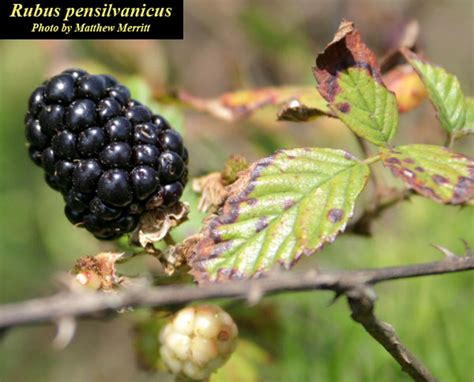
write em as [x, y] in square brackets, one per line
[98, 272]
[175, 257]
[154, 225]
[212, 187]
[212, 190]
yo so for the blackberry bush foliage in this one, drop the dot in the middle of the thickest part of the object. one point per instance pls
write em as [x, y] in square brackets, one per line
[298, 200]
[109, 156]
[112, 159]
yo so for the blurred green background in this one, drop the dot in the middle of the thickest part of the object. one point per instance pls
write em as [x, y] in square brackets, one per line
[231, 45]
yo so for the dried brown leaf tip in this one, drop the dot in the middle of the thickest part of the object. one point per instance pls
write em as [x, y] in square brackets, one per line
[212, 187]
[302, 110]
[345, 51]
[98, 272]
[154, 225]
[237, 105]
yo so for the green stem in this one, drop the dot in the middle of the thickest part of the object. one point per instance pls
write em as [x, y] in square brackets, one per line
[450, 139]
[363, 145]
[371, 160]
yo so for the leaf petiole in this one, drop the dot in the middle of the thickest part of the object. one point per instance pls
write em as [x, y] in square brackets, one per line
[371, 160]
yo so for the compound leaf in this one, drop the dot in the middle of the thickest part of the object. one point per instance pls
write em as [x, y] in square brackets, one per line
[349, 78]
[281, 207]
[443, 90]
[433, 171]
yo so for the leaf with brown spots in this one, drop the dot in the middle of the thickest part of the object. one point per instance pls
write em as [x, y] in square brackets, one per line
[349, 78]
[444, 92]
[296, 103]
[281, 207]
[433, 171]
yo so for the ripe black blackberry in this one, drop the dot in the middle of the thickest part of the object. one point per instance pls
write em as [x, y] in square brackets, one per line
[108, 154]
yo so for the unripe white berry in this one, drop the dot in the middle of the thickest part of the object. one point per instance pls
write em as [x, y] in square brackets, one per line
[180, 343]
[183, 322]
[203, 350]
[170, 360]
[197, 341]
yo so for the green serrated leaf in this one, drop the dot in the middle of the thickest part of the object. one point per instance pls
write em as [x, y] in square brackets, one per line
[433, 171]
[350, 80]
[443, 90]
[469, 123]
[283, 206]
[366, 106]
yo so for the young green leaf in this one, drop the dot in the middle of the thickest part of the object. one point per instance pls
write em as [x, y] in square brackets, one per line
[349, 78]
[433, 171]
[469, 123]
[281, 207]
[444, 92]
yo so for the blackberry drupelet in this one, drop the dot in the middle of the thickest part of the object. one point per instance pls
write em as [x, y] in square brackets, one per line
[108, 154]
